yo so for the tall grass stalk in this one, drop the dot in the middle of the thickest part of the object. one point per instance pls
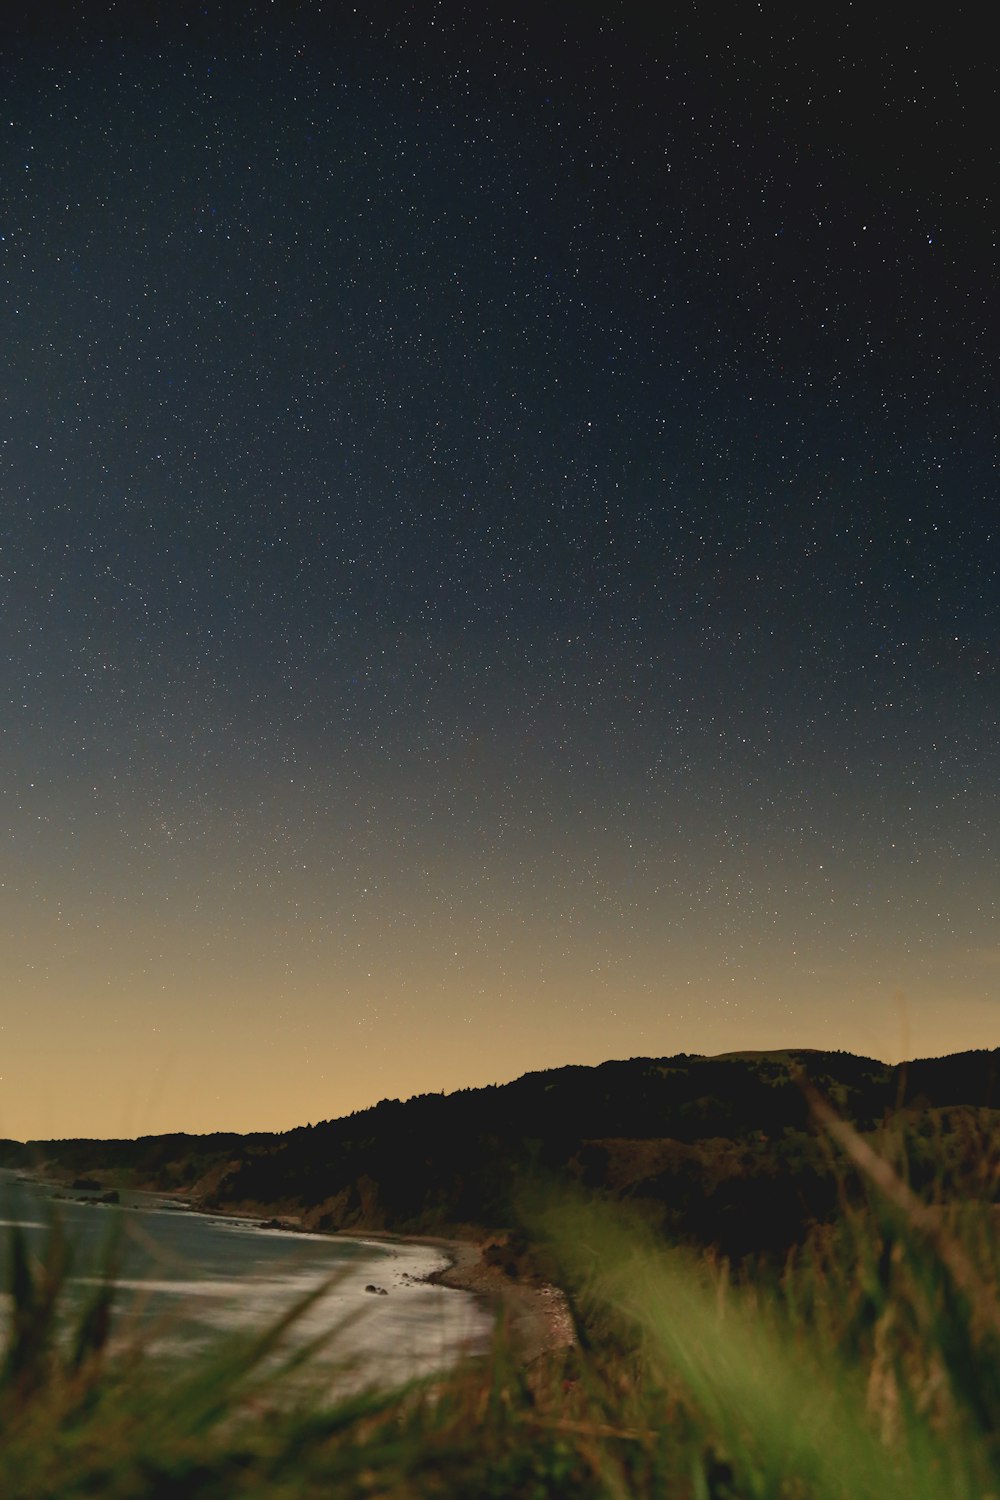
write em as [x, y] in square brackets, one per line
[867, 1368]
[765, 1403]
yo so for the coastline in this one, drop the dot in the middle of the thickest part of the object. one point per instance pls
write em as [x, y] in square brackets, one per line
[536, 1314]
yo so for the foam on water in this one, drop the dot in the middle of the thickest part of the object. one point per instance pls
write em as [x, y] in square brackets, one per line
[186, 1279]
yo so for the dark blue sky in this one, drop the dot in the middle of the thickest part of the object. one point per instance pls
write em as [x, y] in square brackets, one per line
[498, 549]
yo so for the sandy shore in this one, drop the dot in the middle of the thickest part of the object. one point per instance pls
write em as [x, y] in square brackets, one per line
[537, 1314]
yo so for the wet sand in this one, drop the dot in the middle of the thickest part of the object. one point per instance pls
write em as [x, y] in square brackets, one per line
[537, 1314]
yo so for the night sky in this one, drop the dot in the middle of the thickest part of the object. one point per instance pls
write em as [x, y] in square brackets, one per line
[498, 549]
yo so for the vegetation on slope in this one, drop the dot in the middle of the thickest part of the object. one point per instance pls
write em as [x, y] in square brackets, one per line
[867, 1367]
[721, 1152]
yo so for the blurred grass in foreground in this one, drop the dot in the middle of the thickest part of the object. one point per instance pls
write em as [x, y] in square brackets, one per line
[869, 1366]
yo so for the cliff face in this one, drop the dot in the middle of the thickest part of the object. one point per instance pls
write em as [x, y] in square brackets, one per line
[717, 1149]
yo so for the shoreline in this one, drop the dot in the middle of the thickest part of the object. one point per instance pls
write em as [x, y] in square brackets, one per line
[537, 1316]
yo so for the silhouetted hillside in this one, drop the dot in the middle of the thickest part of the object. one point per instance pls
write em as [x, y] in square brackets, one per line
[719, 1149]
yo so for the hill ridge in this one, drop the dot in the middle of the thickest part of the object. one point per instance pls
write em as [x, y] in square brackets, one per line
[706, 1144]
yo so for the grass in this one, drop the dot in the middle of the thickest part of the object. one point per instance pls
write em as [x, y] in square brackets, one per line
[866, 1368]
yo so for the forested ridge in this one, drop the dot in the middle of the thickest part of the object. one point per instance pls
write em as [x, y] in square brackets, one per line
[719, 1150]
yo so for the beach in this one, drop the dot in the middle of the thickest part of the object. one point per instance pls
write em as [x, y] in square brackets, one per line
[536, 1313]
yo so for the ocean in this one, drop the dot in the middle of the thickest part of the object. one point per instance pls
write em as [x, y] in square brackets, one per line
[186, 1279]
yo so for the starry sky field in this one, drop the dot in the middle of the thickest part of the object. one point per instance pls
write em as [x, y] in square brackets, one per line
[498, 548]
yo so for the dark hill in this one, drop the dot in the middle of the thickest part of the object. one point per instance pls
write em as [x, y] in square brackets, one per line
[718, 1148]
